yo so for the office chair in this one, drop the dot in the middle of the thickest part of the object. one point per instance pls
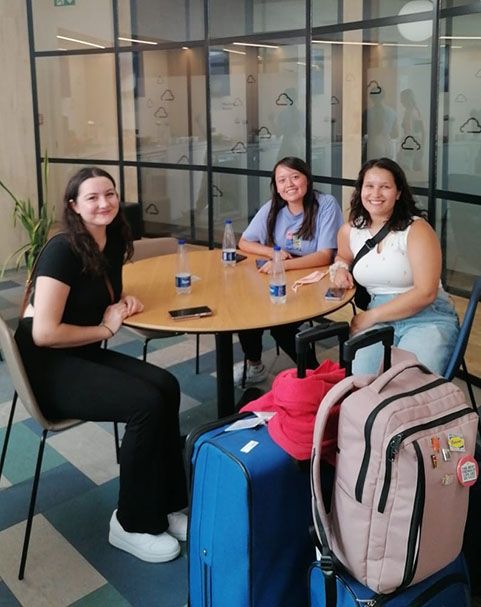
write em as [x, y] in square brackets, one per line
[23, 389]
[457, 360]
[152, 247]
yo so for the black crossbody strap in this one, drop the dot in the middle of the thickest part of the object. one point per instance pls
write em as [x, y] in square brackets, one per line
[370, 244]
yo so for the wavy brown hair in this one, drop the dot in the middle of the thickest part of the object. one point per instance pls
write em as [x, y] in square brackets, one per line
[404, 209]
[80, 239]
[310, 204]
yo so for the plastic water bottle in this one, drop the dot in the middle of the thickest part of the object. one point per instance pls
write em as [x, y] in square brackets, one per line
[277, 282]
[228, 244]
[182, 273]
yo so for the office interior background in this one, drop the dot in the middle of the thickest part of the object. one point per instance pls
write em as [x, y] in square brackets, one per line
[190, 103]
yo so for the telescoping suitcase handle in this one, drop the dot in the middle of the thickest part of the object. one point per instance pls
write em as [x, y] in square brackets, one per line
[373, 336]
[323, 331]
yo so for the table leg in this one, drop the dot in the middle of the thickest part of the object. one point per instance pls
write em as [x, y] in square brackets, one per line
[225, 377]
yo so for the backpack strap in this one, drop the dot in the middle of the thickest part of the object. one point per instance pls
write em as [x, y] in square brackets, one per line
[328, 560]
[370, 244]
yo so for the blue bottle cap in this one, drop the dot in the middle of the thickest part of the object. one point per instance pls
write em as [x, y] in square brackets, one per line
[228, 220]
[277, 247]
[181, 241]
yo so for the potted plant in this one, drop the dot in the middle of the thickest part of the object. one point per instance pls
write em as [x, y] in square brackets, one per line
[36, 224]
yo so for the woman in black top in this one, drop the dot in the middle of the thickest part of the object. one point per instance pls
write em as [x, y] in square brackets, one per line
[77, 303]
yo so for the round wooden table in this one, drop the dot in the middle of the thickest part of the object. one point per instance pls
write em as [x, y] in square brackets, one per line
[238, 297]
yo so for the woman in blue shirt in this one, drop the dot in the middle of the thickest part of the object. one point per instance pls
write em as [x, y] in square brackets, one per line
[304, 223]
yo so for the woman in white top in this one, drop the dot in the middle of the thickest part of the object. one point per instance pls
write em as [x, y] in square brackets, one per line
[402, 274]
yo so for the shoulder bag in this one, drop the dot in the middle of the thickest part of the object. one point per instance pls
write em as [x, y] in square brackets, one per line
[362, 297]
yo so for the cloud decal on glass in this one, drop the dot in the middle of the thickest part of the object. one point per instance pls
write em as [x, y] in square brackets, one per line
[152, 209]
[264, 133]
[161, 112]
[471, 126]
[410, 143]
[284, 99]
[167, 95]
[239, 148]
[374, 88]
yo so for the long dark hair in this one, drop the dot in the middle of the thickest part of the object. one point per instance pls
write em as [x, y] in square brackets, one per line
[81, 240]
[404, 209]
[310, 204]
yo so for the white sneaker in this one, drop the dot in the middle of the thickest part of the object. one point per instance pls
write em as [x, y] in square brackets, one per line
[255, 374]
[178, 525]
[151, 548]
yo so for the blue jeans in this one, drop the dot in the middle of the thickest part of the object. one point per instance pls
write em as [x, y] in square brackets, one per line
[430, 335]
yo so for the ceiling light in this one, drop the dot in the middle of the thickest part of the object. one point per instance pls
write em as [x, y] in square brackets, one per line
[256, 45]
[227, 50]
[417, 31]
[138, 41]
[80, 41]
[345, 42]
[460, 37]
[404, 44]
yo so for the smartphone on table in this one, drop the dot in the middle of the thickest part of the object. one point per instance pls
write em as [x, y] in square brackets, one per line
[260, 262]
[335, 293]
[197, 311]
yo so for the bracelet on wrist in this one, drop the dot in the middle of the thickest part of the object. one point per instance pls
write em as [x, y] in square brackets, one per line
[335, 267]
[102, 324]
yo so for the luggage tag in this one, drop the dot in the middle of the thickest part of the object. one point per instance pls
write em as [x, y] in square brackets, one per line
[259, 419]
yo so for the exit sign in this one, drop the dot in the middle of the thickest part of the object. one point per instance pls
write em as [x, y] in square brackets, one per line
[64, 2]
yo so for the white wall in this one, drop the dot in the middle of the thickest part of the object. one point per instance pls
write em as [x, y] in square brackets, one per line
[17, 156]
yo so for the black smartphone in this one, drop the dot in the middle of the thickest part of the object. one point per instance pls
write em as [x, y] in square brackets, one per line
[197, 311]
[239, 257]
[260, 262]
[335, 293]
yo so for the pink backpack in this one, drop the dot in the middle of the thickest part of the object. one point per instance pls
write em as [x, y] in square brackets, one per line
[404, 464]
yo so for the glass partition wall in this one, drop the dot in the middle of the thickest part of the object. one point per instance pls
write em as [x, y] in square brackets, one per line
[190, 104]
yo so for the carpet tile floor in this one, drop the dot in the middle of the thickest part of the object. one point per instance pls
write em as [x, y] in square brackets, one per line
[70, 562]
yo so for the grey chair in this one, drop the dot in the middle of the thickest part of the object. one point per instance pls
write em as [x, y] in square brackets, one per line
[23, 389]
[152, 247]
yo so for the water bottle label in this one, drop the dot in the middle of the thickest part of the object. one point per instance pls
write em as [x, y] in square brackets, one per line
[182, 282]
[277, 290]
[228, 255]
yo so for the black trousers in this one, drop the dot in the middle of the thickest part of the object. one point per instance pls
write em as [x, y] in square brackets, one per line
[94, 384]
[284, 335]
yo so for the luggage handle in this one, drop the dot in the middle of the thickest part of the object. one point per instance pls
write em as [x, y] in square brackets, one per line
[373, 336]
[382, 381]
[313, 334]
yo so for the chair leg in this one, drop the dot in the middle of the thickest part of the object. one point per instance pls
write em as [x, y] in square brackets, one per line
[7, 433]
[468, 384]
[244, 373]
[31, 509]
[144, 350]
[117, 442]
[197, 353]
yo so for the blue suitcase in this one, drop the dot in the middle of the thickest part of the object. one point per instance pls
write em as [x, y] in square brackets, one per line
[447, 588]
[249, 542]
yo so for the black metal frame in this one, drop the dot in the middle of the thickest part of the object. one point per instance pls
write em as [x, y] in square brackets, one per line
[432, 192]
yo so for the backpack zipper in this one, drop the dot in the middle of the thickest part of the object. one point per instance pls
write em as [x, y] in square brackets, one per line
[395, 444]
[361, 479]
[416, 520]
